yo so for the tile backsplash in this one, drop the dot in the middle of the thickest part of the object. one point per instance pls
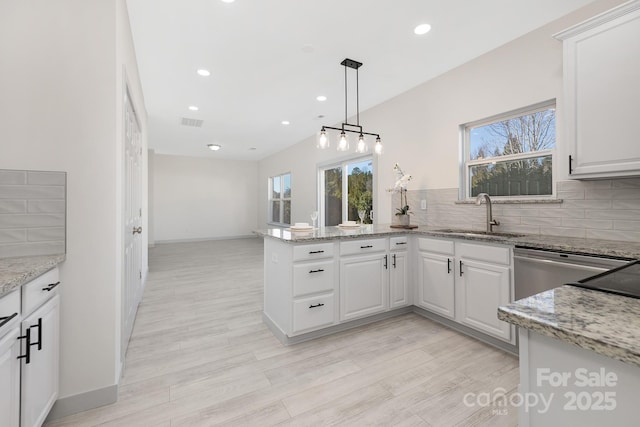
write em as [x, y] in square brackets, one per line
[602, 209]
[32, 213]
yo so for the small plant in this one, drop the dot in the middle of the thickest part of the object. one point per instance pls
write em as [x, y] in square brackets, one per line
[404, 206]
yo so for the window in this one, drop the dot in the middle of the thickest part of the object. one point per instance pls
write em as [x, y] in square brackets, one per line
[510, 155]
[345, 189]
[280, 199]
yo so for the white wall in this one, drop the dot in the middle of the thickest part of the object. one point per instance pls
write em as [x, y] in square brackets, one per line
[420, 127]
[61, 84]
[202, 198]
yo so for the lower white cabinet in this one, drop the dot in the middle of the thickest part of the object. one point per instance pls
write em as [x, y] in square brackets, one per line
[466, 282]
[29, 351]
[39, 379]
[436, 291]
[483, 288]
[364, 285]
[9, 362]
[399, 295]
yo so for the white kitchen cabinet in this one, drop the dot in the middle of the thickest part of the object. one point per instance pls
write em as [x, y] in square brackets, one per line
[466, 282]
[602, 93]
[300, 293]
[483, 288]
[399, 293]
[436, 276]
[436, 291]
[9, 362]
[364, 285]
[39, 378]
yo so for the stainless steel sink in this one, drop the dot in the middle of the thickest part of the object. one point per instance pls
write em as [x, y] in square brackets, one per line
[477, 233]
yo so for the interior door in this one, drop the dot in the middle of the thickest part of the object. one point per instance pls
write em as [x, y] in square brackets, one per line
[132, 283]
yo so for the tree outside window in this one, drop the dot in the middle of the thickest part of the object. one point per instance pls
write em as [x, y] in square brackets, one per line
[511, 155]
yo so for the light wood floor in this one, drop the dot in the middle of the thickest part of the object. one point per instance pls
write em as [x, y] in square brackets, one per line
[200, 355]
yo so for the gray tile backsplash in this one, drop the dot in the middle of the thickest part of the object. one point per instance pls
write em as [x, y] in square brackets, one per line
[603, 209]
[32, 213]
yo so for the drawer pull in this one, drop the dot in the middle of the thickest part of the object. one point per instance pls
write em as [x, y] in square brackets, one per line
[366, 247]
[316, 305]
[401, 243]
[320, 270]
[50, 286]
[7, 319]
[316, 252]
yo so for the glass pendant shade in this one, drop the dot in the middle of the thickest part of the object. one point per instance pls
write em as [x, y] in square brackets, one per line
[323, 141]
[343, 142]
[362, 145]
[378, 147]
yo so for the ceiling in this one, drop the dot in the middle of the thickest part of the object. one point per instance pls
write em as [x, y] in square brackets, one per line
[270, 59]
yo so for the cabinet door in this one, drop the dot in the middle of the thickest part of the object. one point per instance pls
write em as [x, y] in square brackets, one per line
[398, 280]
[602, 89]
[436, 289]
[10, 379]
[40, 375]
[483, 288]
[364, 285]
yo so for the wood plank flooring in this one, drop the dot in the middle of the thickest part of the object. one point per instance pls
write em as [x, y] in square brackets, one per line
[200, 356]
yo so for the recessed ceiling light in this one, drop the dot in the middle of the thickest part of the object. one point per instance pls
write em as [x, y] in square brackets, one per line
[228, 1]
[252, 148]
[193, 108]
[286, 122]
[214, 147]
[203, 72]
[321, 98]
[422, 29]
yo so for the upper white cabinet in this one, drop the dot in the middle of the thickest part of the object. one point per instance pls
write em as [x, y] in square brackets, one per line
[602, 93]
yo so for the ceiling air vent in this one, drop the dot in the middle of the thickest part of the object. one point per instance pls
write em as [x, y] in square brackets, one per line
[191, 122]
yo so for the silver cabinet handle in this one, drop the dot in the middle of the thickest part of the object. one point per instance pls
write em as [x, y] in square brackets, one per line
[137, 230]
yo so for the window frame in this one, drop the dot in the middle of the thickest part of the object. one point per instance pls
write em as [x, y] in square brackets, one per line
[465, 162]
[281, 199]
[343, 163]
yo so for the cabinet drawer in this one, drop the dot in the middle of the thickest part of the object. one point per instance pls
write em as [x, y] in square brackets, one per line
[10, 305]
[313, 312]
[435, 245]
[492, 254]
[362, 246]
[313, 277]
[316, 251]
[34, 293]
[398, 243]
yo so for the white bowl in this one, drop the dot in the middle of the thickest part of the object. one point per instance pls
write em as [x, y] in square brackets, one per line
[349, 223]
[301, 225]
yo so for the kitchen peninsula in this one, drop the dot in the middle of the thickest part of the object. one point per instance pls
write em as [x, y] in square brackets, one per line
[328, 279]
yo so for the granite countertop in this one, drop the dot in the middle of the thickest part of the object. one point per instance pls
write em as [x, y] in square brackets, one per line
[613, 248]
[15, 272]
[605, 323]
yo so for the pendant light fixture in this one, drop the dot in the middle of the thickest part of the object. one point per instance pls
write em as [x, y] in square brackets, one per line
[343, 141]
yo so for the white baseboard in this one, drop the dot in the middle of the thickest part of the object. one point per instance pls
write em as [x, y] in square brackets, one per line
[82, 402]
[204, 239]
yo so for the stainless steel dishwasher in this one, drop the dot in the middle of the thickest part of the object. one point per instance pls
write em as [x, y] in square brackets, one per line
[537, 270]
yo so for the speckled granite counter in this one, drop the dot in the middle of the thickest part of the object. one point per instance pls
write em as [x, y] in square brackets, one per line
[589, 246]
[15, 272]
[605, 323]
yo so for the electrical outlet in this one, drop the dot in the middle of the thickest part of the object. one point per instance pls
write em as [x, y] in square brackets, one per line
[423, 204]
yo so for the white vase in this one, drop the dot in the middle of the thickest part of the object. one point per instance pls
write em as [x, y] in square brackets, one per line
[403, 219]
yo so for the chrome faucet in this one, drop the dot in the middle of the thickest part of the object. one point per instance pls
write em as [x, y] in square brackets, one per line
[490, 221]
